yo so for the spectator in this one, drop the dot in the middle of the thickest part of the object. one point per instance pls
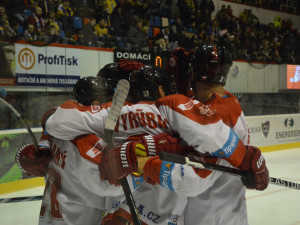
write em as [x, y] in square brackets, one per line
[65, 15]
[37, 21]
[221, 14]
[118, 22]
[83, 9]
[31, 4]
[128, 13]
[52, 29]
[3, 15]
[51, 21]
[198, 4]
[192, 28]
[89, 32]
[109, 5]
[136, 38]
[186, 40]
[8, 33]
[77, 39]
[143, 12]
[15, 26]
[277, 22]
[209, 6]
[214, 28]
[103, 14]
[229, 10]
[102, 33]
[174, 9]
[30, 34]
[176, 28]
[186, 8]
[199, 18]
[244, 15]
[163, 39]
[17, 13]
[52, 35]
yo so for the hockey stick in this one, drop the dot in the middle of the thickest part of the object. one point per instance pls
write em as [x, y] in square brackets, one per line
[21, 199]
[23, 121]
[198, 163]
[110, 124]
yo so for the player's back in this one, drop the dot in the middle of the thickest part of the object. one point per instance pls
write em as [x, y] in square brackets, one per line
[224, 203]
[70, 196]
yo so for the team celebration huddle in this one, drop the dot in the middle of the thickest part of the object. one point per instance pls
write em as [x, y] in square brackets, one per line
[100, 151]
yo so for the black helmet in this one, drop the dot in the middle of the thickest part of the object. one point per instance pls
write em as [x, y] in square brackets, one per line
[112, 74]
[211, 63]
[89, 89]
[145, 81]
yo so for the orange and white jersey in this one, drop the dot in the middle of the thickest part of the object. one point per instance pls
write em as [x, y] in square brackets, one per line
[74, 193]
[224, 202]
[197, 124]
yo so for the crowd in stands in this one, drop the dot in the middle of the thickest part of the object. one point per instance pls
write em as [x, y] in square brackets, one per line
[147, 25]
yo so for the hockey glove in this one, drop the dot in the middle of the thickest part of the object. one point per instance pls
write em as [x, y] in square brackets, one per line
[255, 164]
[117, 163]
[151, 145]
[128, 65]
[31, 162]
[152, 169]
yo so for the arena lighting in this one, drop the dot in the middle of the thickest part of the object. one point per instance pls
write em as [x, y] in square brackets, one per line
[293, 77]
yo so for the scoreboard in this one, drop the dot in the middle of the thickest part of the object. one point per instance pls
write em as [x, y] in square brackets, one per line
[150, 58]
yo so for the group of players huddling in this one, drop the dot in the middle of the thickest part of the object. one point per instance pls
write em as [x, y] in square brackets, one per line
[183, 110]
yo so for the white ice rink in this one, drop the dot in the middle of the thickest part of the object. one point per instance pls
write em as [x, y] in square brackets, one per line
[275, 206]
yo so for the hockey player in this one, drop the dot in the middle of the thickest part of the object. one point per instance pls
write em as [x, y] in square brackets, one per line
[37, 164]
[136, 119]
[226, 203]
[57, 209]
[69, 196]
[223, 202]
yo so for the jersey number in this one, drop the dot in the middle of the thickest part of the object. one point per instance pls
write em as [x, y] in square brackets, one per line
[54, 183]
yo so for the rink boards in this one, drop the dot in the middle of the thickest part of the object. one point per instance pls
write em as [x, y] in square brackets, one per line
[270, 133]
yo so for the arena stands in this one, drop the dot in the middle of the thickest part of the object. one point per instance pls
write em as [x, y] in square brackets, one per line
[165, 25]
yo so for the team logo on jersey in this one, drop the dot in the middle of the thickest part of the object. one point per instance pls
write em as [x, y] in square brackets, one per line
[137, 181]
[204, 109]
[186, 106]
[265, 128]
[165, 175]
[96, 149]
[174, 218]
[95, 108]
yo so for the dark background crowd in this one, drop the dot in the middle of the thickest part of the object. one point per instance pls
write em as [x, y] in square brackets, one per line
[146, 25]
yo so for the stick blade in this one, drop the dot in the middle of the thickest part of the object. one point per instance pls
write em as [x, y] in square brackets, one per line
[117, 104]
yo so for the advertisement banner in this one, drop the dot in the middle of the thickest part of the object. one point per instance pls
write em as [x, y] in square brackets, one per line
[53, 66]
[274, 130]
[47, 66]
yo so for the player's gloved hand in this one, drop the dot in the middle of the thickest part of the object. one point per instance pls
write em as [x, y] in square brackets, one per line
[117, 163]
[128, 65]
[31, 162]
[254, 163]
[152, 145]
